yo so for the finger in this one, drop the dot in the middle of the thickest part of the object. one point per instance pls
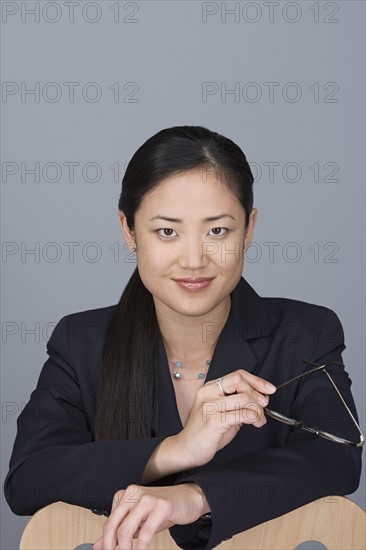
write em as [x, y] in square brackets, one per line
[259, 383]
[119, 497]
[150, 527]
[262, 399]
[112, 523]
[132, 525]
[239, 380]
[250, 413]
[253, 414]
[98, 545]
[247, 407]
[248, 396]
[120, 510]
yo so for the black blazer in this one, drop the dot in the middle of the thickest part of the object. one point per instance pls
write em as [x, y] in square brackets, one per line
[261, 474]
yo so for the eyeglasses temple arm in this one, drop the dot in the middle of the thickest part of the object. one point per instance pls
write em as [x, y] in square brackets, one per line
[345, 404]
[362, 437]
[300, 375]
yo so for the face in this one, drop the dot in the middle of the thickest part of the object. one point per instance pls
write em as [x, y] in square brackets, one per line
[191, 246]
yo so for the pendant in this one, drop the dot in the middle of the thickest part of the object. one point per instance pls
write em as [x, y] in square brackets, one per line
[178, 376]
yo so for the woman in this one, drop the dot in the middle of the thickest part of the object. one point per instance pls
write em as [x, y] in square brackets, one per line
[152, 410]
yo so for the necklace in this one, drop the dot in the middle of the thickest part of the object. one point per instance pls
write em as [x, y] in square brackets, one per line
[179, 376]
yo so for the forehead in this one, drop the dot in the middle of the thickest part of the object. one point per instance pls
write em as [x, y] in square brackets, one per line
[197, 189]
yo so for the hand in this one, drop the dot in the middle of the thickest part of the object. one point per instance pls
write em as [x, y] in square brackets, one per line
[140, 512]
[215, 419]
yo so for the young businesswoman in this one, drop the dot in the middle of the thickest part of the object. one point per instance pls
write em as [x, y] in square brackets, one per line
[154, 410]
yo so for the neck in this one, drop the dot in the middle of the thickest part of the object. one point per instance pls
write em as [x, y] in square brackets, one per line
[189, 339]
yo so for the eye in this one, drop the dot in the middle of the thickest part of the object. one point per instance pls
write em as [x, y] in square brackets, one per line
[164, 229]
[222, 234]
[167, 237]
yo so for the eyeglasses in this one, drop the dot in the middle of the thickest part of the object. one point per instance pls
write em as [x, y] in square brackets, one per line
[316, 430]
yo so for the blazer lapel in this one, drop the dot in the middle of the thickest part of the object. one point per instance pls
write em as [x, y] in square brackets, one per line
[247, 320]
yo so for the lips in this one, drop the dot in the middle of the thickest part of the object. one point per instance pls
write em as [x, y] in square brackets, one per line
[194, 285]
[197, 280]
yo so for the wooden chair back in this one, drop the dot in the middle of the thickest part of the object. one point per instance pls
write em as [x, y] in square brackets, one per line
[335, 521]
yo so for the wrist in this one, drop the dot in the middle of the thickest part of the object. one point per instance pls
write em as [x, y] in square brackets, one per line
[167, 458]
[180, 448]
[199, 498]
[174, 451]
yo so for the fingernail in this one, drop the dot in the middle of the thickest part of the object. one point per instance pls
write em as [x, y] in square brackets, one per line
[270, 386]
[263, 400]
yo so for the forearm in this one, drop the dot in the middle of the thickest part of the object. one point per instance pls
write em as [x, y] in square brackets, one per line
[167, 458]
[73, 468]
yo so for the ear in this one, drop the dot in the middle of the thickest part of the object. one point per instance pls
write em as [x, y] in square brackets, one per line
[250, 229]
[128, 235]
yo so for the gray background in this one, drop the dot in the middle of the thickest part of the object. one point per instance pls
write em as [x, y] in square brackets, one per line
[160, 55]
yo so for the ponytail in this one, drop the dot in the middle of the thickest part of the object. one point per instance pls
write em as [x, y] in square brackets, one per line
[127, 394]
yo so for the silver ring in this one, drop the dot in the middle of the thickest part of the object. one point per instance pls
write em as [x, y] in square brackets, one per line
[219, 383]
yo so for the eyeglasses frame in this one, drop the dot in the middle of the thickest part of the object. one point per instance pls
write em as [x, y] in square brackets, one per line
[300, 424]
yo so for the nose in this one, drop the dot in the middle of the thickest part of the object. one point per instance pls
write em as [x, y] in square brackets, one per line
[194, 254]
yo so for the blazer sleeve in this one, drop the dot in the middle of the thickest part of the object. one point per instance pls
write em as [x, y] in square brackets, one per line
[54, 455]
[263, 485]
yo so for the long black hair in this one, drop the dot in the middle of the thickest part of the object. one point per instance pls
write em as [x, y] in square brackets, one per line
[126, 399]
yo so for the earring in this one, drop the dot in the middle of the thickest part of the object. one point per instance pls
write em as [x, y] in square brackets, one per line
[133, 249]
[245, 246]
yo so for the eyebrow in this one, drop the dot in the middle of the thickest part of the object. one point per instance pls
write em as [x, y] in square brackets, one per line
[179, 220]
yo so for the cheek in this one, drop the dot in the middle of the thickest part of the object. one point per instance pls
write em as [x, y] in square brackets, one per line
[155, 259]
[153, 264]
[229, 255]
